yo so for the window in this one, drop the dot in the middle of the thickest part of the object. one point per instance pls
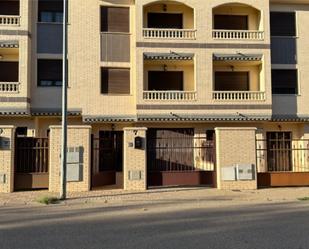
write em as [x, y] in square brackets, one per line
[115, 81]
[282, 24]
[231, 22]
[50, 11]
[49, 73]
[232, 81]
[9, 71]
[114, 19]
[165, 81]
[165, 21]
[284, 81]
[9, 8]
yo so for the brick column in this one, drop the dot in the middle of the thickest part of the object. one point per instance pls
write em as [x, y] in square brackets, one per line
[235, 146]
[135, 162]
[7, 149]
[78, 137]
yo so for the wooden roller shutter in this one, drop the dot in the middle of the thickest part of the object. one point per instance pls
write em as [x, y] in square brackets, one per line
[9, 71]
[232, 81]
[283, 24]
[284, 81]
[115, 19]
[115, 81]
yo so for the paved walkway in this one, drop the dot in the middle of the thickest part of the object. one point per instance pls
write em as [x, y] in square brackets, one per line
[212, 196]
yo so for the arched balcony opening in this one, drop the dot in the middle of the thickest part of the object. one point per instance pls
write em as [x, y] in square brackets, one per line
[168, 20]
[235, 21]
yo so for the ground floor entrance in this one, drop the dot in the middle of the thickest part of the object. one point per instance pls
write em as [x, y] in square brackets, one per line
[31, 163]
[107, 159]
[179, 157]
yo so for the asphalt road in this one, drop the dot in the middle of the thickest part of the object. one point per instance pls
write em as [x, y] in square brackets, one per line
[180, 225]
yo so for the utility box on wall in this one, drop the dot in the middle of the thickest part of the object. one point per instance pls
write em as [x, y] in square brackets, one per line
[239, 172]
[5, 143]
[75, 164]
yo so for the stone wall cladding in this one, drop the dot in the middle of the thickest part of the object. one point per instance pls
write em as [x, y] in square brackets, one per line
[235, 146]
[134, 159]
[7, 160]
[78, 136]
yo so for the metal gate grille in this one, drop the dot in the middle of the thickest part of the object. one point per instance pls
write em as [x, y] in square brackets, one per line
[31, 155]
[179, 150]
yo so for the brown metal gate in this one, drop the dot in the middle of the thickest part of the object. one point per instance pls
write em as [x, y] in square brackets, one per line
[31, 163]
[179, 157]
[107, 159]
[282, 161]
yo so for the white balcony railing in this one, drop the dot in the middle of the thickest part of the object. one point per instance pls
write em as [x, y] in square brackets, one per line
[180, 34]
[170, 95]
[9, 87]
[9, 20]
[239, 95]
[238, 34]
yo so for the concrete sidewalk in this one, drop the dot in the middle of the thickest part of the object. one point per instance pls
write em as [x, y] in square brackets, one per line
[213, 197]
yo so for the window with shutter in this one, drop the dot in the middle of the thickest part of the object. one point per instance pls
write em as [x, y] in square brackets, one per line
[49, 72]
[282, 24]
[115, 81]
[50, 11]
[284, 81]
[115, 19]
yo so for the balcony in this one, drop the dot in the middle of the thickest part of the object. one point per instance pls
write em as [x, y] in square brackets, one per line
[239, 95]
[9, 87]
[237, 22]
[169, 77]
[9, 20]
[170, 95]
[238, 77]
[9, 69]
[238, 35]
[168, 20]
[176, 34]
[9, 13]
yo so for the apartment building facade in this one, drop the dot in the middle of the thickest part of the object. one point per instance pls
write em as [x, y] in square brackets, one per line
[160, 93]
